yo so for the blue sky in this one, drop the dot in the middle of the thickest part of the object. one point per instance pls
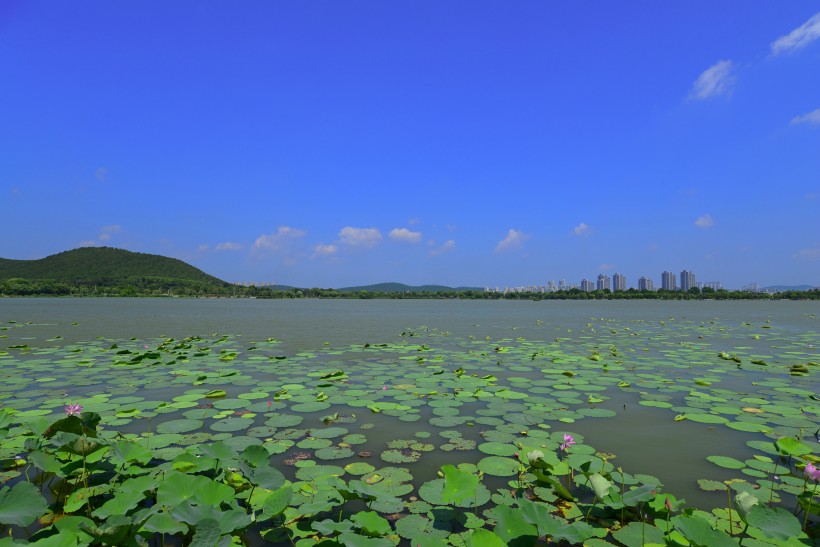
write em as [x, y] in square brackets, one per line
[333, 143]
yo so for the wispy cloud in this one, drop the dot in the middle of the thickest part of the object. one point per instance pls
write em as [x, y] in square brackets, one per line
[403, 234]
[229, 246]
[799, 38]
[107, 231]
[705, 221]
[582, 230]
[324, 250]
[513, 241]
[606, 267]
[89, 243]
[360, 237]
[716, 80]
[446, 247]
[812, 253]
[811, 118]
[101, 174]
[277, 241]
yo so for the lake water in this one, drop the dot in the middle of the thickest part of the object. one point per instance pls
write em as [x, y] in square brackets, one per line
[629, 334]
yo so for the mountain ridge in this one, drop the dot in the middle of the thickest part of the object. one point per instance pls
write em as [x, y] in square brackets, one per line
[102, 265]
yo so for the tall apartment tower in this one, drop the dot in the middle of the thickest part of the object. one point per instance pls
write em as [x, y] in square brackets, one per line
[645, 284]
[618, 282]
[687, 280]
[603, 282]
[668, 281]
[587, 285]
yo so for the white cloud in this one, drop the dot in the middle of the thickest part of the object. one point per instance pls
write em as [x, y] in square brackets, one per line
[808, 254]
[101, 174]
[89, 243]
[403, 234]
[283, 236]
[446, 247]
[360, 237]
[799, 38]
[513, 240]
[811, 118]
[605, 267]
[705, 221]
[107, 231]
[229, 246]
[324, 250]
[718, 79]
[582, 230]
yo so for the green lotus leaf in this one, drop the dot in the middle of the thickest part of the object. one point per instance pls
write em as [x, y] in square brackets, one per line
[328, 432]
[498, 466]
[21, 505]
[180, 426]
[498, 449]
[726, 462]
[458, 485]
[231, 424]
[334, 453]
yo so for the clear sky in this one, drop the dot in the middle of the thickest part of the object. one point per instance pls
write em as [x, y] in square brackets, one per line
[336, 143]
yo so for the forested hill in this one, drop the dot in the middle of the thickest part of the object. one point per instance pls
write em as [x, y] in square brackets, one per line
[102, 265]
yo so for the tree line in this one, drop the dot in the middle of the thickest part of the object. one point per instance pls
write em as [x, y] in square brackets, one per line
[147, 286]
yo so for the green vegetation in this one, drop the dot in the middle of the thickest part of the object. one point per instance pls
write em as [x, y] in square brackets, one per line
[218, 440]
[105, 271]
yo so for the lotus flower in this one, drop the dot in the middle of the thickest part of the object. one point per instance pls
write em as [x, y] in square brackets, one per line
[812, 472]
[73, 410]
[568, 441]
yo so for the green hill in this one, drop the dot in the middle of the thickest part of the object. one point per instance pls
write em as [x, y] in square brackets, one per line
[103, 266]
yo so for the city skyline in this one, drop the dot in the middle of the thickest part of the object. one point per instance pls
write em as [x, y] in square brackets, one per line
[463, 144]
[685, 281]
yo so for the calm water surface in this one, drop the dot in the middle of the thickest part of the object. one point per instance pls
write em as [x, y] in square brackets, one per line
[644, 439]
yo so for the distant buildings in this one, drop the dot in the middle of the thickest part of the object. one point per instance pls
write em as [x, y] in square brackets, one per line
[714, 285]
[618, 282]
[687, 280]
[668, 281]
[645, 284]
[603, 283]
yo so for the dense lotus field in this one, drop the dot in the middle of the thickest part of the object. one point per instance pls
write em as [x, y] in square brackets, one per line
[429, 440]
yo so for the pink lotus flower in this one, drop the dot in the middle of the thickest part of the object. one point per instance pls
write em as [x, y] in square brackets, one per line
[812, 472]
[73, 410]
[269, 403]
[668, 505]
[568, 441]
[384, 388]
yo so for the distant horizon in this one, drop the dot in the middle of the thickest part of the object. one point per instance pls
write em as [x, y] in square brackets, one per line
[463, 144]
[262, 283]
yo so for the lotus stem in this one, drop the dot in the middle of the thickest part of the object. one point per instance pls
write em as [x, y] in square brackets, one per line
[774, 474]
[808, 509]
[731, 526]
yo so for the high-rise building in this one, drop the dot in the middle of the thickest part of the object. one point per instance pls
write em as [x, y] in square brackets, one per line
[618, 282]
[603, 282]
[645, 284]
[668, 281]
[587, 285]
[687, 280]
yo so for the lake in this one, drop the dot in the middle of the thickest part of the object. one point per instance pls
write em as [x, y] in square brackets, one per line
[617, 373]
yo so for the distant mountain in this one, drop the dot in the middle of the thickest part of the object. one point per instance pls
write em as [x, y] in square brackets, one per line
[401, 287]
[102, 265]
